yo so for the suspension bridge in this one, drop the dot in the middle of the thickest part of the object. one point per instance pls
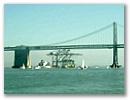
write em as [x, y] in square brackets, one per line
[22, 53]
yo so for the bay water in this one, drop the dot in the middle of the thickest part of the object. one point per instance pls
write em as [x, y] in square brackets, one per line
[64, 81]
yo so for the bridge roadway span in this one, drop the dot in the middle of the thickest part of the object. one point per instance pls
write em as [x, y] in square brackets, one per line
[99, 46]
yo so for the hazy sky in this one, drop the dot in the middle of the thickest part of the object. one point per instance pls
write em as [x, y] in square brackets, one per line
[50, 23]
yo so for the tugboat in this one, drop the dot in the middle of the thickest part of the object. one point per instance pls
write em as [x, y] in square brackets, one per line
[43, 64]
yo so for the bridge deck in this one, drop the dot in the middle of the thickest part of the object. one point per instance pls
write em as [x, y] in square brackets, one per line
[100, 46]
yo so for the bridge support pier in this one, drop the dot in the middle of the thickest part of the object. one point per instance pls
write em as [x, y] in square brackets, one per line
[22, 56]
[115, 51]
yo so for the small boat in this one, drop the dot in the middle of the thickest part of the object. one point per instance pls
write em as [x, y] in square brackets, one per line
[47, 67]
[37, 67]
[83, 66]
[22, 67]
[97, 67]
[108, 67]
[86, 67]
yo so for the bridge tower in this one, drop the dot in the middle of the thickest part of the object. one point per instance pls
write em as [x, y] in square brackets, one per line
[22, 56]
[115, 51]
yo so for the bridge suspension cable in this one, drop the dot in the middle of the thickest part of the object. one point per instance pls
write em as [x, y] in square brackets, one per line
[83, 36]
